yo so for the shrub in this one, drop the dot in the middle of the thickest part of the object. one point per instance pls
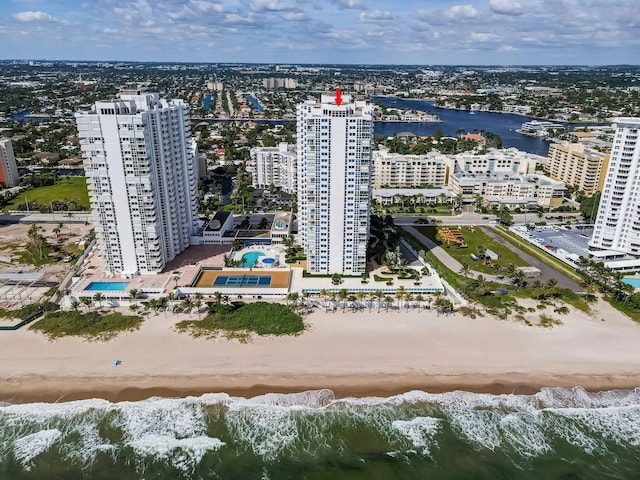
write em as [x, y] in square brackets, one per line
[91, 326]
[549, 322]
[243, 319]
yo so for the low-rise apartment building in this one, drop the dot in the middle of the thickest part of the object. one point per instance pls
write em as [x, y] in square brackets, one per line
[409, 171]
[509, 190]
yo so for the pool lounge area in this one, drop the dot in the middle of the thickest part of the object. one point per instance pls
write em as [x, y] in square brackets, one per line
[258, 256]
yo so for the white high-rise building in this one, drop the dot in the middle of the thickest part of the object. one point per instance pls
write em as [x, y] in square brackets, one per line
[8, 169]
[274, 165]
[334, 183]
[618, 223]
[141, 167]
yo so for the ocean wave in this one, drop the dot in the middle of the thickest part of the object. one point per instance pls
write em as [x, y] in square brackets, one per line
[25, 449]
[313, 424]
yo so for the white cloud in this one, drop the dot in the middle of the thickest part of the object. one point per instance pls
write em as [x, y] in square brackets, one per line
[374, 17]
[294, 16]
[355, 4]
[461, 12]
[505, 7]
[268, 5]
[33, 16]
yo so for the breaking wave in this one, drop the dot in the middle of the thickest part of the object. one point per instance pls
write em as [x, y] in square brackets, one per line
[183, 433]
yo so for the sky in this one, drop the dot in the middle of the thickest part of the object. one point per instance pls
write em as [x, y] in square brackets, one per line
[423, 32]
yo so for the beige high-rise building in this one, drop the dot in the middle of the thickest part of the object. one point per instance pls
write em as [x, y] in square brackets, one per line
[577, 166]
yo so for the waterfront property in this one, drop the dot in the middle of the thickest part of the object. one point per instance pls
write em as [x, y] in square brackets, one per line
[334, 181]
[141, 169]
[617, 228]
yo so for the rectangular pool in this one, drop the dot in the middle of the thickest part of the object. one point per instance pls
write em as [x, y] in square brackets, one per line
[633, 281]
[107, 286]
[242, 281]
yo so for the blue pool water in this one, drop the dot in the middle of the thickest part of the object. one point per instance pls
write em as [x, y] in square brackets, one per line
[251, 258]
[102, 286]
[633, 281]
[268, 261]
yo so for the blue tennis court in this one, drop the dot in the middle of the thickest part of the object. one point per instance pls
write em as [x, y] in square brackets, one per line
[242, 281]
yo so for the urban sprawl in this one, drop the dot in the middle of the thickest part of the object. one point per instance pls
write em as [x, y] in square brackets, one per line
[154, 185]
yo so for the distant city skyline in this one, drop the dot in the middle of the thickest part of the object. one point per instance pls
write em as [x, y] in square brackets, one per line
[471, 32]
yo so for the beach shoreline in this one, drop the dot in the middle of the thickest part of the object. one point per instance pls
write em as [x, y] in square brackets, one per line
[129, 389]
[354, 354]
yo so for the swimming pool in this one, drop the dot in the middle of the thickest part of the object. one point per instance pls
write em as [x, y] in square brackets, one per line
[104, 286]
[249, 259]
[633, 281]
[268, 261]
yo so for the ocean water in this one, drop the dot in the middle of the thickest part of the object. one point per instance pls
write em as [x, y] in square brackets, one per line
[554, 434]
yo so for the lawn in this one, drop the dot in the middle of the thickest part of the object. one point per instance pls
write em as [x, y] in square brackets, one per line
[68, 188]
[474, 240]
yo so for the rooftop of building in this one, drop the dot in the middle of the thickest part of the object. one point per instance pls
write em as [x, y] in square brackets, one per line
[410, 192]
[218, 220]
[506, 177]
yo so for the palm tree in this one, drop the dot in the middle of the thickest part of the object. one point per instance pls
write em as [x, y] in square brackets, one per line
[323, 294]
[86, 301]
[378, 294]
[98, 298]
[74, 305]
[551, 286]
[332, 297]
[198, 305]
[342, 295]
[537, 286]
[465, 268]
[388, 301]
[419, 299]
[292, 298]
[217, 297]
[359, 297]
[133, 293]
[408, 296]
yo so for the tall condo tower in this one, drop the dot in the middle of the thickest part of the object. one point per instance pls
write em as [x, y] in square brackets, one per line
[8, 169]
[334, 183]
[141, 167]
[618, 223]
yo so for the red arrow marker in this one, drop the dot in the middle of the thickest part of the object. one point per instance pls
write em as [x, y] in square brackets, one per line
[338, 97]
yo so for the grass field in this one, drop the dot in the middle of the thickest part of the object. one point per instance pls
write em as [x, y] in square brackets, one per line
[67, 188]
[474, 240]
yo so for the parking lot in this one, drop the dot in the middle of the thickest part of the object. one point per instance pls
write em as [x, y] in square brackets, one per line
[567, 242]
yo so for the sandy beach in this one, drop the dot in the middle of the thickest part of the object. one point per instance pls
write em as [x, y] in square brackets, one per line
[361, 353]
